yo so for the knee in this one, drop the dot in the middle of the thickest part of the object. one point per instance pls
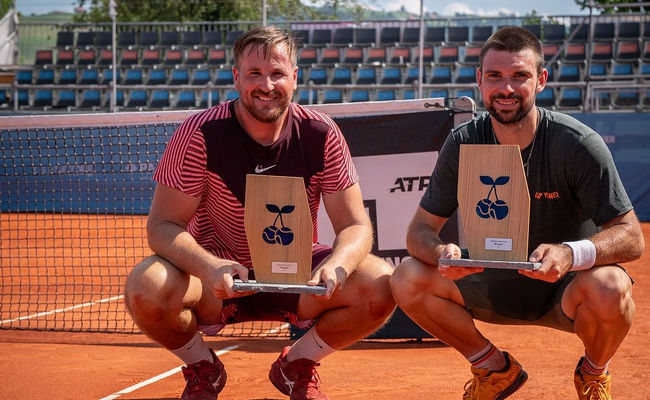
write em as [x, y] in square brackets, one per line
[375, 288]
[144, 290]
[409, 283]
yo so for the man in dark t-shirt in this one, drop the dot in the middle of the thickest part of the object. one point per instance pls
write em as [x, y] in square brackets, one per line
[196, 229]
[582, 225]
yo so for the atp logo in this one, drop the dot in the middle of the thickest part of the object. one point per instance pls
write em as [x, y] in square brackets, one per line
[282, 235]
[497, 209]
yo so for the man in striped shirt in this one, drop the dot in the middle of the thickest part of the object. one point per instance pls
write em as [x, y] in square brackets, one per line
[196, 228]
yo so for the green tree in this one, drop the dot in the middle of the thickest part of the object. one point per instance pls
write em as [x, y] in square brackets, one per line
[5, 5]
[585, 4]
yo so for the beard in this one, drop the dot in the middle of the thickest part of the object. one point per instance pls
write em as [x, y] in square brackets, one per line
[268, 113]
[510, 117]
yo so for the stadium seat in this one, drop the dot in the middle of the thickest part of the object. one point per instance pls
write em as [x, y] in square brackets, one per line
[332, 96]
[535, 29]
[434, 35]
[448, 54]
[604, 31]
[471, 54]
[626, 98]
[150, 57]
[201, 77]
[389, 35]
[64, 39]
[133, 77]
[212, 38]
[441, 74]
[232, 95]
[601, 51]
[623, 71]
[551, 73]
[603, 98]
[574, 52]
[546, 98]
[304, 97]
[376, 55]
[148, 39]
[89, 77]
[66, 98]
[352, 55]
[628, 50]
[400, 55]
[137, 98]
[644, 71]
[408, 94]
[302, 35]
[465, 75]
[105, 57]
[107, 76]
[411, 35]
[179, 77]
[103, 39]
[232, 36]
[321, 37]
[159, 99]
[629, 30]
[385, 95]
[128, 57]
[465, 93]
[342, 76]
[391, 76]
[578, 32]
[170, 38]
[366, 76]
[86, 57]
[553, 33]
[412, 74]
[68, 77]
[570, 97]
[45, 77]
[85, 39]
[307, 56]
[217, 57]
[300, 76]
[438, 94]
[186, 99]
[598, 71]
[23, 97]
[190, 38]
[458, 34]
[427, 54]
[205, 98]
[343, 36]
[550, 49]
[173, 56]
[481, 33]
[64, 57]
[119, 98]
[194, 57]
[224, 77]
[569, 73]
[155, 77]
[43, 98]
[359, 95]
[43, 57]
[24, 77]
[90, 98]
[126, 39]
[330, 55]
[318, 76]
[366, 36]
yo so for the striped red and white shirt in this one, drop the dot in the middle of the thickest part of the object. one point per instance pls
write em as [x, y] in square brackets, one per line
[210, 154]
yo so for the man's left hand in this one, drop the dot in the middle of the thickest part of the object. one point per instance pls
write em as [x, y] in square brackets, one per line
[556, 261]
[333, 276]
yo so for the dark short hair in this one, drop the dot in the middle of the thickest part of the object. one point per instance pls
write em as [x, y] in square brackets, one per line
[266, 37]
[514, 39]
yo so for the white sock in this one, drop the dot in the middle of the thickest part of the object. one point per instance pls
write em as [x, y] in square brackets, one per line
[194, 351]
[309, 346]
[488, 358]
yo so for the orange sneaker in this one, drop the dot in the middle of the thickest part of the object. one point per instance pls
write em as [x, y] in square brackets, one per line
[592, 387]
[495, 385]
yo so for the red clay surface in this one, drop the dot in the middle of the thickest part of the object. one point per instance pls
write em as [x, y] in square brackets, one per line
[53, 365]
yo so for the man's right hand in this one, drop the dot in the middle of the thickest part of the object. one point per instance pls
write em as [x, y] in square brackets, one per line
[452, 251]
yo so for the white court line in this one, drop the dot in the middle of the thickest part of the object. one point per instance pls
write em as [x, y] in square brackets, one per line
[177, 369]
[60, 310]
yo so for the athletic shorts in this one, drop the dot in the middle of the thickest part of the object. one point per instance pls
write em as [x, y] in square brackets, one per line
[266, 306]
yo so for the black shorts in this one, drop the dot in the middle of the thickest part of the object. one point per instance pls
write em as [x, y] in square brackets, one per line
[266, 306]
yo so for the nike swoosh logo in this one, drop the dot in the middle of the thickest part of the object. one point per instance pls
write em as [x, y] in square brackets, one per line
[259, 169]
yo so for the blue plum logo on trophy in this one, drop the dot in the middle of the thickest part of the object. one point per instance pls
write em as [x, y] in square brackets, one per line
[282, 235]
[497, 209]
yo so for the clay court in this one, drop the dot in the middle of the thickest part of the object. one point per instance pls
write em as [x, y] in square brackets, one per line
[41, 365]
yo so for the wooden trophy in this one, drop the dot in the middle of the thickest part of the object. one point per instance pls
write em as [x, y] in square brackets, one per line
[494, 207]
[279, 230]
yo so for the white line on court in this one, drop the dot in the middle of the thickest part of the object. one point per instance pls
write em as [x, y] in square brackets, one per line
[60, 310]
[177, 369]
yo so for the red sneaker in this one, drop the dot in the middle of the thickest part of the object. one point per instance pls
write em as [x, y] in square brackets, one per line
[297, 379]
[204, 379]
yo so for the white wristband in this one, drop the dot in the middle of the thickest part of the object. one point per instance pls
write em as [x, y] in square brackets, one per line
[584, 254]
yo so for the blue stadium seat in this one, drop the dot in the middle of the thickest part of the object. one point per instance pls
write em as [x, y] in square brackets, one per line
[413, 74]
[598, 71]
[159, 98]
[438, 93]
[156, 77]
[357, 95]
[201, 77]
[409, 94]
[384, 95]
[133, 77]
[186, 99]
[24, 77]
[3, 97]
[119, 98]
[107, 76]
[391, 76]
[205, 98]
[300, 76]
[232, 95]
[441, 74]
[603, 98]
[318, 76]
[68, 77]
[303, 96]
[626, 98]
[45, 77]
[465, 92]
[569, 73]
[179, 77]
[644, 70]
[342, 76]
[224, 77]
[137, 98]
[23, 97]
[90, 98]
[67, 98]
[465, 75]
[546, 98]
[333, 96]
[366, 76]
[551, 73]
[623, 71]
[570, 97]
[43, 98]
